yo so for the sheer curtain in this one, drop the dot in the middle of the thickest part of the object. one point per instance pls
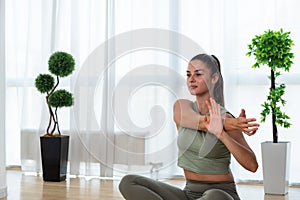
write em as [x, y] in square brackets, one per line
[3, 187]
[122, 118]
[131, 59]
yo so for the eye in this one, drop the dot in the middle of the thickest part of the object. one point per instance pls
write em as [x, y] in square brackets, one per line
[188, 75]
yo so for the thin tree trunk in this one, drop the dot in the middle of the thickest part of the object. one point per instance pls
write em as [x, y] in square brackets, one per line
[51, 118]
[56, 116]
[275, 133]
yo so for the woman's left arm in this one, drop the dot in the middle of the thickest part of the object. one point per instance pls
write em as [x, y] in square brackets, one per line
[234, 140]
[239, 148]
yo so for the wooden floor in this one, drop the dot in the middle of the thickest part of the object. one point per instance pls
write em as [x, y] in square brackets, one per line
[27, 187]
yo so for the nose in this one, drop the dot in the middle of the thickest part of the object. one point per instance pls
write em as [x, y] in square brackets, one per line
[191, 79]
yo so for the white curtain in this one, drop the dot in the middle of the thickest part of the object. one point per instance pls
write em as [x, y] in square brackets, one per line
[3, 187]
[124, 92]
[131, 58]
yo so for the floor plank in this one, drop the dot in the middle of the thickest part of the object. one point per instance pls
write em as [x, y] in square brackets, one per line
[29, 187]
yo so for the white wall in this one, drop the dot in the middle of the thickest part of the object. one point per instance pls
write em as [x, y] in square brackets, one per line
[3, 187]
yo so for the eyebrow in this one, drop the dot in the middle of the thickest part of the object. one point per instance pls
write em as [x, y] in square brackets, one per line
[197, 70]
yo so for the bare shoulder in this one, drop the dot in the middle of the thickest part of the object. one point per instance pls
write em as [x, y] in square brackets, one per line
[182, 102]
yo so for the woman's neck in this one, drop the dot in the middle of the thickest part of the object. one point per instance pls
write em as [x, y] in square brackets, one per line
[201, 103]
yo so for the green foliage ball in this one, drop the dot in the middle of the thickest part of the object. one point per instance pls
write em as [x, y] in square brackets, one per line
[44, 83]
[61, 64]
[272, 48]
[61, 98]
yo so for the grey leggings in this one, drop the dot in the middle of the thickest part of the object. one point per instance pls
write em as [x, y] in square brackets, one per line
[135, 187]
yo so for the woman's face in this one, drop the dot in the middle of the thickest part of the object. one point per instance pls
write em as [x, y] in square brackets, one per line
[199, 79]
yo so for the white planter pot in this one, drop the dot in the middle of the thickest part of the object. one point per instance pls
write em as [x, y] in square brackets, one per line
[276, 165]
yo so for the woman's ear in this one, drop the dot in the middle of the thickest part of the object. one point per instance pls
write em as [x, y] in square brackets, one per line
[215, 78]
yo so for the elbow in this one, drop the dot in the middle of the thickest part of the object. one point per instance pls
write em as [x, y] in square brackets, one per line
[253, 168]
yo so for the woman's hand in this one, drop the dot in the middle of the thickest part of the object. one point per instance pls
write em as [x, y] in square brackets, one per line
[246, 125]
[214, 125]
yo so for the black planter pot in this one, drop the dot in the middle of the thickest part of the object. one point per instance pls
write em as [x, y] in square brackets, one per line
[54, 152]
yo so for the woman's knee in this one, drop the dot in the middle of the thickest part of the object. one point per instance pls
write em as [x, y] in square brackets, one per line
[216, 194]
[126, 182]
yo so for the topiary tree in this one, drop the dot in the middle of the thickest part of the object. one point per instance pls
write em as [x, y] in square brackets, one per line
[60, 64]
[273, 49]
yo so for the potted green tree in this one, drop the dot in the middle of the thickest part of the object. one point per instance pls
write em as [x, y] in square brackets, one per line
[54, 145]
[273, 49]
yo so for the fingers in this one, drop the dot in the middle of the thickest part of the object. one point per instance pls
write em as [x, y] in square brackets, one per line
[247, 122]
[208, 105]
[249, 125]
[252, 125]
[243, 113]
[243, 116]
[215, 107]
[250, 119]
[250, 132]
[249, 128]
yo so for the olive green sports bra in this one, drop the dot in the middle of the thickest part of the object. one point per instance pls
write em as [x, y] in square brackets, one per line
[202, 152]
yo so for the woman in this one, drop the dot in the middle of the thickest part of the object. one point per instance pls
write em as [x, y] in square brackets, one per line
[204, 144]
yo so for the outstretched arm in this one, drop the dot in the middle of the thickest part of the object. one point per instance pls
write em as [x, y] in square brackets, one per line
[185, 116]
[234, 140]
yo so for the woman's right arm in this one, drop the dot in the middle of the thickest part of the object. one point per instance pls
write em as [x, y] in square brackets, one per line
[185, 116]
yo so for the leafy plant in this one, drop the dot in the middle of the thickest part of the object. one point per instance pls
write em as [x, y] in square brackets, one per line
[273, 49]
[60, 64]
